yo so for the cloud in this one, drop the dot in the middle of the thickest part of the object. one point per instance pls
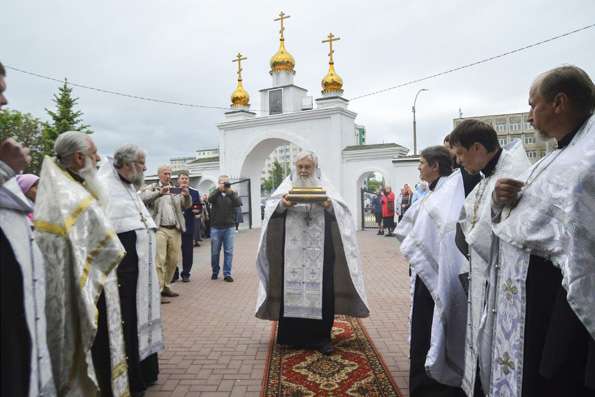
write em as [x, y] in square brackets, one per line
[183, 50]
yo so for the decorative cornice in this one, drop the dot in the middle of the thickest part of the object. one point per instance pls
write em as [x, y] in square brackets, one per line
[285, 118]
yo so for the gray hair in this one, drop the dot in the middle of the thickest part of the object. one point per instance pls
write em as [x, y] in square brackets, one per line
[70, 142]
[307, 155]
[127, 154]
[221, 177]
[163, 167]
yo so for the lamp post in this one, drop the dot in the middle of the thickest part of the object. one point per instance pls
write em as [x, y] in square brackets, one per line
[414, 124]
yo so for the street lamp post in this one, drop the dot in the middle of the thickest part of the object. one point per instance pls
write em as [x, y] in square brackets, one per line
[414, 124]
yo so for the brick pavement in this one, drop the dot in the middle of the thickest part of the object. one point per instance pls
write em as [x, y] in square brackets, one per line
[216, 347]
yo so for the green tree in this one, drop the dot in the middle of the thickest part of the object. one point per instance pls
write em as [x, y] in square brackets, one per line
[275, 178]
[28, 131]
[65, 117]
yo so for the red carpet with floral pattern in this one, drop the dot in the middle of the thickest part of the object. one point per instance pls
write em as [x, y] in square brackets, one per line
[354, 369]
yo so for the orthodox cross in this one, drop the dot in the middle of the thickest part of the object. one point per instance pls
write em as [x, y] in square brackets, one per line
[281, 18]
[331, 38]
[239, 59]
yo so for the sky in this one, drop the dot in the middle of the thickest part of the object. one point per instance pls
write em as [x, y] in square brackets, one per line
[182, 50]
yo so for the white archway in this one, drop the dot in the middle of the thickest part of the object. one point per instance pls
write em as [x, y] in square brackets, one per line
[253, 163]
[206, 184]
[363, 173]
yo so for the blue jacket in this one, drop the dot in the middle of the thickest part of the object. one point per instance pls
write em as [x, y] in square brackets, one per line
[188, 215]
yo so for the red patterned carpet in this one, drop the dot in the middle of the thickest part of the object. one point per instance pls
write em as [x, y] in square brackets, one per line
[354, 369]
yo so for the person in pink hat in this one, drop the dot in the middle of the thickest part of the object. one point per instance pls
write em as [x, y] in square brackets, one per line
[28, 184]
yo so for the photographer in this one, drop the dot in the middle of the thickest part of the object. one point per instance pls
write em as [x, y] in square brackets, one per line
[224, 200]
[166, 204]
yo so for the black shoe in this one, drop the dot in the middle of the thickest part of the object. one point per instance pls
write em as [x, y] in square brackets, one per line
[185, 279]
[214, 277]
[380, 233]
[327, 349]
[389, 235]
[229, 279]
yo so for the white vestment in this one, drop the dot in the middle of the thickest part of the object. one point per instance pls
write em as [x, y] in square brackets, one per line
[350, 295]
[17, 229]
[126, 211]
[81, 251]
[428, 243]
[476, 223]
[553, 219]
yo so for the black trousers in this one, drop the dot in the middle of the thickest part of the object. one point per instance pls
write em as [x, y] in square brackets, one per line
[420, 384]
[187, 253]
[15, 340]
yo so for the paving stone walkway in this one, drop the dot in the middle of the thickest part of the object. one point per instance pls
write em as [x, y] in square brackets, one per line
[216, 347]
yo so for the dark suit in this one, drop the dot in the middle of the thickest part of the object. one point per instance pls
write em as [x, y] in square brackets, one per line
[188, 236]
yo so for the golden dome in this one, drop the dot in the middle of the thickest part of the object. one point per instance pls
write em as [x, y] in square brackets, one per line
[332, 82]
[240, 97]
[282, 60]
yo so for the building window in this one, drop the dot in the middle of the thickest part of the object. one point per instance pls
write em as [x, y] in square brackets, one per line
[503, 141]
[529, 139]
[515, 126]
[275, 101]
[528, 126]
[531, 154]
[501, 127]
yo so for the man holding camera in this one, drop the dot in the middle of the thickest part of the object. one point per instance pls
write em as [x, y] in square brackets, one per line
[167, 204]
[224, 200]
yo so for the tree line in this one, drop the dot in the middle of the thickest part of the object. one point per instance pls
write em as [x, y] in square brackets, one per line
[39, 135]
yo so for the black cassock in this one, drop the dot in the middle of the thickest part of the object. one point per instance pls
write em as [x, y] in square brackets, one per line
[308, 333]
[559, 353]
[15, 338]
[141, 374]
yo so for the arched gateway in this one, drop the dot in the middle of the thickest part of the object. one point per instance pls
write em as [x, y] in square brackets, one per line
[325, 126]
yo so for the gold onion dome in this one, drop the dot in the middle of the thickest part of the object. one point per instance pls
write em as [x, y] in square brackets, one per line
[282, 60]
[240, 97]
[332, 81]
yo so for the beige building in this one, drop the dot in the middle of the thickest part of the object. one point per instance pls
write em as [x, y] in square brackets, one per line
[515, 126]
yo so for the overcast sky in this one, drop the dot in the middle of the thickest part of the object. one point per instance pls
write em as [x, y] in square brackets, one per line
[182, 51]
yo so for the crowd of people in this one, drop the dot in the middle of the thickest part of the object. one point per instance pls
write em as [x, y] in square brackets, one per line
[502, 255]
[386, 206]
[88, 254]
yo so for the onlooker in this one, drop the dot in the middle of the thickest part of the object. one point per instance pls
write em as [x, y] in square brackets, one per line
[206, 216]
[166, 204]
[388, 211]
[239, 216]
[405, 200]
[377, 208]
[188, 233]
[28, 184]
[223, 202]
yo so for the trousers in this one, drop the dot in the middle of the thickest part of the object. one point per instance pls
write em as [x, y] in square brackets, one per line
[169, 243]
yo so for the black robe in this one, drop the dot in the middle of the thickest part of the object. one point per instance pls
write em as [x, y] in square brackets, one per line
[15, 340]
[559, 353]
[308, 333]
[141, 374]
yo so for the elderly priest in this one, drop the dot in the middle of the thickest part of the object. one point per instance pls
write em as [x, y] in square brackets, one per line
[137, 275]
[308, 260]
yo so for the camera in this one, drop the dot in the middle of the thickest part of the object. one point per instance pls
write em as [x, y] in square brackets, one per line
[226, 185]
[175, 190]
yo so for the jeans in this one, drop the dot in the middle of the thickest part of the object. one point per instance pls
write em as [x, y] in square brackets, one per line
[223, 237]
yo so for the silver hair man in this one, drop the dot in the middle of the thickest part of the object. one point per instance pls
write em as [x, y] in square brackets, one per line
[306, 170]
[77, 153]
[129, 161]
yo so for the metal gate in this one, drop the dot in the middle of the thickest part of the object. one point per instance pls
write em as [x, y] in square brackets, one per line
[242, 186]
[367, 210]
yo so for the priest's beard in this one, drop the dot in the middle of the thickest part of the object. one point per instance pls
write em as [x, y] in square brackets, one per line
[306, 181]
[138, 180]
[92, 183]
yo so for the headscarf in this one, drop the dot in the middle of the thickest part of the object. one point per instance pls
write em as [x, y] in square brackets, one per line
[26, 181]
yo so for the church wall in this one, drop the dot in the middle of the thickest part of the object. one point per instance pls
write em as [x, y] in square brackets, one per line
[404, 172]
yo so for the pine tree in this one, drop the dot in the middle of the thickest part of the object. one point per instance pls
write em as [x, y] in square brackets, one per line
[65, 118]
